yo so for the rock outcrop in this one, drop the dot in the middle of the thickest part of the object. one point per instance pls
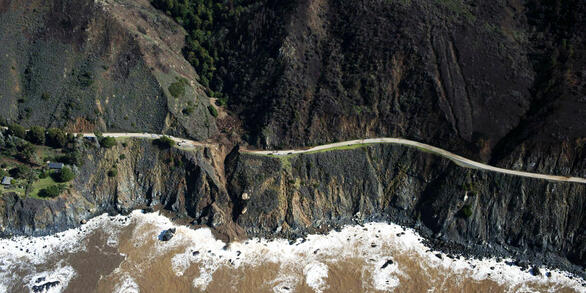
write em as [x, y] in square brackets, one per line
[458, 208]
[187, 183]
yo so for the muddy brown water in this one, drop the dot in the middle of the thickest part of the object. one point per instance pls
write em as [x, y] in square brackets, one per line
[131, 258]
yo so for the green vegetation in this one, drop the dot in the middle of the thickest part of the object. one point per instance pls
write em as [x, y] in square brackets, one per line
[21, 171]
[45, 96]
[72, 157]
[107, 142]
[122, 157]
[27, 153]
[207, 23]
[36, 135]
[17, 130]
[213, 110]
[177, 89]
[64, 175]
[23, 160]
[112, 172]
[56, 138]
[188, 110]
[52, 191]
[164, 142]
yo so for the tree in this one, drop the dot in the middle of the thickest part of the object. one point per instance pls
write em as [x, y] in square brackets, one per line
[73, 157]
[17, 130]
[36, 135]
[164, 142]
[108, 142]
[21, 171]
[64, 175]
[27, 153]
[213, 110]
[112, 172]
[52, 191]
[56, 138]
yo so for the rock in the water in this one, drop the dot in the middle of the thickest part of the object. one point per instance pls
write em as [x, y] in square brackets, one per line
[167, 234]
[387, 263]
[44, 287]
[535, 271]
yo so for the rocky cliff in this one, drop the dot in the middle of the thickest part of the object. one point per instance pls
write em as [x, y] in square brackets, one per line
[459, 210]
[188, 183]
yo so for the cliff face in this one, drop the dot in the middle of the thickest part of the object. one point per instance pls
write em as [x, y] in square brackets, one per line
[457, 209]
[187, 183]
[97, 65]
[475, 210]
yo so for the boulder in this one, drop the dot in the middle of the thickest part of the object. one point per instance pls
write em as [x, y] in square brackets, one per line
[167, 234]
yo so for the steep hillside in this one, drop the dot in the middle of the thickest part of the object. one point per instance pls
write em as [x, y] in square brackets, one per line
[98, 65]
[487, 79]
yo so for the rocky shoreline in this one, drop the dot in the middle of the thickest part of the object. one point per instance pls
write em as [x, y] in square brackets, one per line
[459, 211]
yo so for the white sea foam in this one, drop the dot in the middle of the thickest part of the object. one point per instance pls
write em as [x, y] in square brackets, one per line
[374, 243]
[25, 253]
[127, 285]
[315, 276]
[50, 281]
[284, 283]
[312, 255]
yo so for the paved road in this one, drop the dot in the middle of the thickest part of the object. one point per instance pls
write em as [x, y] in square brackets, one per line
[459, 160]
[182, 142]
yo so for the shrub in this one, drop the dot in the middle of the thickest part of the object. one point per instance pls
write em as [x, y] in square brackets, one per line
[122, 157]
[85, 79]
[112, 172]
[177, 89]
[21, 171]
[36, 135]
[52, 191]
[17, 130]
[71, 158]
[44, 174]
[56, 138]
[108, 142]
[27, 153]
[213, 110]
[188, 111]
[64, 175]
[45, 96]
[164, 142]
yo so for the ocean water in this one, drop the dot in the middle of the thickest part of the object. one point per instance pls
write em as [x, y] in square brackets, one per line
[124, 254]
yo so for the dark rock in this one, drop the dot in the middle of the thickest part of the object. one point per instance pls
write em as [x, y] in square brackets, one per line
[387, 263]
[44, 287]
[535, 271]
[167, 234]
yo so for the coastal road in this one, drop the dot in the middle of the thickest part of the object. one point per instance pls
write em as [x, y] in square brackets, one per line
[181, 142]
[459, 160]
